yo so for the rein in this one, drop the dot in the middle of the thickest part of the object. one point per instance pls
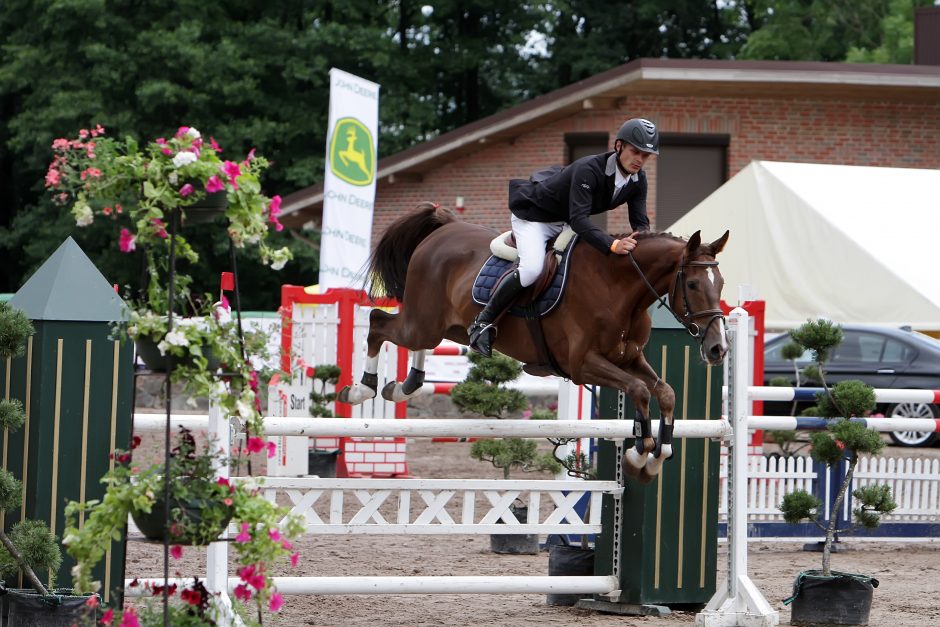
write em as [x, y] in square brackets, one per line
[687, 320]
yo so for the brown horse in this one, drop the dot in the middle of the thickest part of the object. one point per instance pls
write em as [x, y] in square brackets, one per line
[428, 260]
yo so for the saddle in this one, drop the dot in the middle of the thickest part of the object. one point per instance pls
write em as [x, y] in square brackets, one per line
[536, 301]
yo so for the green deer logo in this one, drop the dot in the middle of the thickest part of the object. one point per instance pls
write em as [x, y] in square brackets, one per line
[352, 156]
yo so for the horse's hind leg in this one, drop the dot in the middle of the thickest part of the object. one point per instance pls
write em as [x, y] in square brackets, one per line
[413, 385]
[385, 327]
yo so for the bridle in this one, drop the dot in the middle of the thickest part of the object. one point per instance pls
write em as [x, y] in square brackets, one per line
[687, 319]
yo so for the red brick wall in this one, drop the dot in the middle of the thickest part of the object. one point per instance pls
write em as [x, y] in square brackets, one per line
[838, 132]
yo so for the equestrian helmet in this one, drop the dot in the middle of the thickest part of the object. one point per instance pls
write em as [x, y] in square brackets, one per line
[641, 134]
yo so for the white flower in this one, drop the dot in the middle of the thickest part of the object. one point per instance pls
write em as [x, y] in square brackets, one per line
[279, 264]
[162, 346]
[244, 409]
[184, 158]
[193, 133]
[83, 214]
[173, 178]
[280, 257]
[176, 338]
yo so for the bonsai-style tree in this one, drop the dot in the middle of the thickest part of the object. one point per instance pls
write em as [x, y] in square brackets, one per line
[30, 546]
[321, 401]
[788, 440]
[483, 392]
[843, 440]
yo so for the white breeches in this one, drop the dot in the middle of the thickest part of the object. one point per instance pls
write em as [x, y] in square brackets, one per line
[531, 238]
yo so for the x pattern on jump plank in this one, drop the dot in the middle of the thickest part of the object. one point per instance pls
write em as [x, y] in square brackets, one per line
[424, 507]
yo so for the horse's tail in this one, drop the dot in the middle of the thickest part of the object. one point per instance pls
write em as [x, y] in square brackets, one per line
[388, 264]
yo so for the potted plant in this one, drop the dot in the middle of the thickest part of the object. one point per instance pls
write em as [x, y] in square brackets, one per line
[483, 392]
[201, 506]
[30, 547]
[825, 596]
[322, 462]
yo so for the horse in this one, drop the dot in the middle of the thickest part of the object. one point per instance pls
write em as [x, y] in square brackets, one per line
[428, 260]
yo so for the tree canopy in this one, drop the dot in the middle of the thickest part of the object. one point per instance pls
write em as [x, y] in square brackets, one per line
[254, 74]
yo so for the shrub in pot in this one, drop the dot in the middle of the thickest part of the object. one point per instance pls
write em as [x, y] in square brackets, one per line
[483, 392]
[825, 596]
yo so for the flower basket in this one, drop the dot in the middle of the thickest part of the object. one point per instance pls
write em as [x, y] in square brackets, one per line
[207, 209]
[188, 519]
[150, 355]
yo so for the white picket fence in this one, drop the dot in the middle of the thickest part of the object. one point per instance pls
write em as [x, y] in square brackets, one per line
[914, 483]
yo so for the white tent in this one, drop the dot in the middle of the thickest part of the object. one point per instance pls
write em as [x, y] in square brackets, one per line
[853, 244]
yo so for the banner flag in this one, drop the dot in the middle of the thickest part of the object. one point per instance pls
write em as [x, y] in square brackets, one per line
[349, 184]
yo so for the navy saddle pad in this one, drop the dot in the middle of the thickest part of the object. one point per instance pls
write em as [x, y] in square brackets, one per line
[495, 267]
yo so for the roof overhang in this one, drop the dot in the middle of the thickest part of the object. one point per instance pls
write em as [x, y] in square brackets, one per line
[679, 77]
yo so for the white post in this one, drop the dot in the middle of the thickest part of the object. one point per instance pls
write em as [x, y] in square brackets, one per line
[737, 600]
[219, 435]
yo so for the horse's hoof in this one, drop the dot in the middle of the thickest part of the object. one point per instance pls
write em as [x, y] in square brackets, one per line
[355, 394]
[633, 462]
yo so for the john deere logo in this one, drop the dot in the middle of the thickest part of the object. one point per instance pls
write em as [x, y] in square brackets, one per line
[352, 157]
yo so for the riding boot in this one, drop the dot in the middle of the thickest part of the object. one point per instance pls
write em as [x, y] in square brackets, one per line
[482, 331]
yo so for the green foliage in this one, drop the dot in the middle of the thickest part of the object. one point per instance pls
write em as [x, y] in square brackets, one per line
[846, 399]
[780, 382]
[38, 547]
[856, 437]
[486, 399]
[789, 441]
[800, 505]
[12, 416]
[514, 453]
[321, 400]
[543, 413]
[11, 491]
[791, 350]
[15, 327]
[820, 336]
[872, 502]
[892, 40]
[482, 391]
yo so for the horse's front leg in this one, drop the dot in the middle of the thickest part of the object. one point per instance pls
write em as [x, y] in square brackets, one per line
[598, 370]
[666, 398]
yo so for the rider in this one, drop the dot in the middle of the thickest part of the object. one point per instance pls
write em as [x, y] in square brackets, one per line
[549, 199]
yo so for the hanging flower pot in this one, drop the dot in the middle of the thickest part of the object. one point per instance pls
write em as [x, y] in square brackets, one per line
[25, 606]
[206, 209]
[192, 522]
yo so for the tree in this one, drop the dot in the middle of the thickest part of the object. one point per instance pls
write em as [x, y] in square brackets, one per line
[893, 38]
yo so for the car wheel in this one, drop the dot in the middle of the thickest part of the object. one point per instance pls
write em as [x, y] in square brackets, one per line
[913, 410]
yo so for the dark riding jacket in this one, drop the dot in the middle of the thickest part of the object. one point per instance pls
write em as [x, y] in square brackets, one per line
[573, 193]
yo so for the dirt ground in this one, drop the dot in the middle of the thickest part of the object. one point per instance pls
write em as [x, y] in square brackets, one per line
[908, 595]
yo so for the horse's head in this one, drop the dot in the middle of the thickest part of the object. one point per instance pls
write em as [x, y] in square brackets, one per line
[696, 296]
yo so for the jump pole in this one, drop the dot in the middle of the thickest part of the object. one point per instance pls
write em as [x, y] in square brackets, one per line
[737, 601]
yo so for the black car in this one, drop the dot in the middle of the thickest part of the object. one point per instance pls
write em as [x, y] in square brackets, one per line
[883, 357]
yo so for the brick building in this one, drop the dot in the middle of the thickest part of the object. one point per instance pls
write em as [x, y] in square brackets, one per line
[714, 117]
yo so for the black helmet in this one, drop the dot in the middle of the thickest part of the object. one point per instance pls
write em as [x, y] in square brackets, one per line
[641, 134]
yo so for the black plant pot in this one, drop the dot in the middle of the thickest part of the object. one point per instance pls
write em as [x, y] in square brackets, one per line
[206, 209]
[565, 560]
[515, 544]
[149, 354]
[26, 608]
[322, 463]
[151, 524]
[840, 599]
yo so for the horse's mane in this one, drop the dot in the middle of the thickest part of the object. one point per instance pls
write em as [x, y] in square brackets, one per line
[642, 235]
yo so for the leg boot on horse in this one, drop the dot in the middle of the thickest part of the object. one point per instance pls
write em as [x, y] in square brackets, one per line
[482, 330]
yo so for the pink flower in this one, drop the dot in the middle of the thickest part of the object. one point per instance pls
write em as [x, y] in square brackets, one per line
[214, 184]
[130, 618]
[272, 449]
[83, 133]
[223, 481]
[242, 592]
[246, 572]
[277, 601]
[159, 227]
[251, 155]
[127, 242]
[274, 534]
[243, 536]
[186, 190]
[287, 545]
[214, 145]
[232, 171]
[176, 551]
[107, 617]
[228, 502]
[182, 131]
[53, 177]
[255, 444]
[294, 558]
[256, 581]
[274, 210]
[92, 601]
